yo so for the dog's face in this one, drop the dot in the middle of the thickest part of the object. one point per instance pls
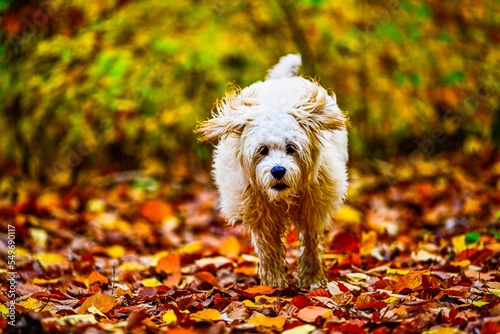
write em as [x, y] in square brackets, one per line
[278, 139]
[275, 152]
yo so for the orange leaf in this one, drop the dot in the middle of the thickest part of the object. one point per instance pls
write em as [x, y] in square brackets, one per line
[365, 301]
[208, 314]
[410, 281]
[156, 210]
[230, 246]
[260, 290]
[103, 303]
[96, 277]
[169, 264]
[173, 279]
[207, 277]
[261, 320]
[310, 313]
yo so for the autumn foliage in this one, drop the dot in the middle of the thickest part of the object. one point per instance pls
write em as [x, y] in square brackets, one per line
[409, 256]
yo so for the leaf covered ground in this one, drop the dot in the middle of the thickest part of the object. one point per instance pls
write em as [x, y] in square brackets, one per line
[126, 253]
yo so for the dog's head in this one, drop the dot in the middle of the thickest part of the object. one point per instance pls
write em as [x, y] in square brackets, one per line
[279, 126]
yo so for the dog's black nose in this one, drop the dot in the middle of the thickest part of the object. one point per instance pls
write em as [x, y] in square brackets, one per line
[278, 172]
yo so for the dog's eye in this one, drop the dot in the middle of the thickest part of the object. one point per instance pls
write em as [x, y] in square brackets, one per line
[264, 151]
[290, 149]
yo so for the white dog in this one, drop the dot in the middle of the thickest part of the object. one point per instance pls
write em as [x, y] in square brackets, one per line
[281, 160]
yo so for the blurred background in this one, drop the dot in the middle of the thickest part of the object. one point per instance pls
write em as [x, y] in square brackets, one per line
[93, 87]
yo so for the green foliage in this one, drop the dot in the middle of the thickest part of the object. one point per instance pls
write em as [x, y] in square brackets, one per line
[122, 84]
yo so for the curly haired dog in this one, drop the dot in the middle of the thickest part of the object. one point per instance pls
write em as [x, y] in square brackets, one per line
[280, 160]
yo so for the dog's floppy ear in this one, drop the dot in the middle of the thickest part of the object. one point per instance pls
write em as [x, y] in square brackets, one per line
[319, 111]
[228, 117]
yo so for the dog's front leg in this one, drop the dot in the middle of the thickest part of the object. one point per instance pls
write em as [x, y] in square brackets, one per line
[311, 270]
[269, 249]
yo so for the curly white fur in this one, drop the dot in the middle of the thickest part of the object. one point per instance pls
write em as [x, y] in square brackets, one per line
[291, 123]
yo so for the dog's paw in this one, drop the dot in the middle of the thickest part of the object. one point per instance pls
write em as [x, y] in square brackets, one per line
[313, 283]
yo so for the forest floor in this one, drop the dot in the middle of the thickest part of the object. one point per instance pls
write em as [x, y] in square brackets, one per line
[415, 249]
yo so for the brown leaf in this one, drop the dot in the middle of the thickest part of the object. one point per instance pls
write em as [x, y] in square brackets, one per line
[411, 281]
[103, 303]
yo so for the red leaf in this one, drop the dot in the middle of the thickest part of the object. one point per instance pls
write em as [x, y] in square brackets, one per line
[344, 242]
[301, 301]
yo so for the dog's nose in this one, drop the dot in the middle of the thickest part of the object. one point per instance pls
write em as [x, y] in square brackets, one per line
[278, 172]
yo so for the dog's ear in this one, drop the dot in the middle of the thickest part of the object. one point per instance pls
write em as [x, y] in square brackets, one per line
[218, 127]
[229, 116]
[319, 111]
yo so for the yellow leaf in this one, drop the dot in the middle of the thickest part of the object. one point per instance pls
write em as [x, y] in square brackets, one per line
[41, 281]
[39, 236]
[304, 329]
[400, 272]
[3, 309]
[249, 303]
[115, 251]
[230, 246]
[368, 243]
[480, 303]
[47, 259]
[22, 252]
[443, 330]
[73, 319]
[151, 282]
[96, 205]
[495, 291]
[349, 214]
[390, 299]
[261, 320]
[94, 310]
[169, 317]
[462, 264]
[191, 248]
[208, 314]
[131, 266]
[30, 303]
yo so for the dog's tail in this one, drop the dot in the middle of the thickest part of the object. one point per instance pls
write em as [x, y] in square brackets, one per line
[286, 68]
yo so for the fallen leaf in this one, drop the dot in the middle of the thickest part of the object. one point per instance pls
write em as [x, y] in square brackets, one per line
[169, 264]
[96, 277]
[48, 259]
[303, 329]
[310, 313]
[169, 317]
[411, 281]
[156, 210]
[103, 303]
[272, 322]
[230, 246]
[74, 319]
[260, 290]
[208, 314]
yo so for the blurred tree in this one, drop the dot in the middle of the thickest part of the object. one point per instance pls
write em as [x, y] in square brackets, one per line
[121, 84]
